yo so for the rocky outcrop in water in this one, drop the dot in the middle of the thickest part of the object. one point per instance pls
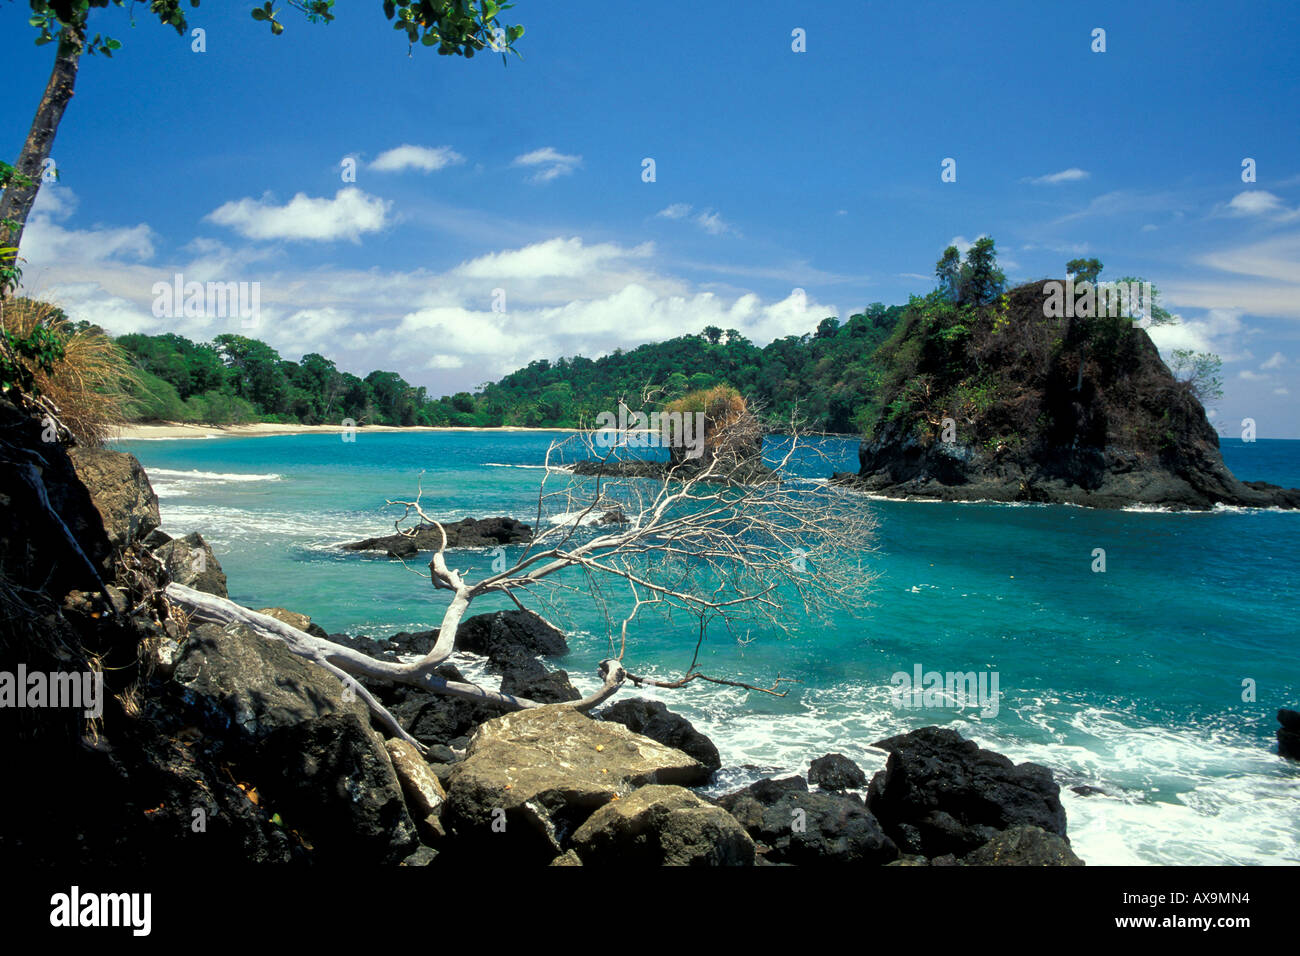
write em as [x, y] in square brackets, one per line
[981, 404]
[1288, 735]
[941, 794]
[466, 533]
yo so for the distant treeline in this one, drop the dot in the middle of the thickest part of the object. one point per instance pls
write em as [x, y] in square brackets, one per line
[825, 376]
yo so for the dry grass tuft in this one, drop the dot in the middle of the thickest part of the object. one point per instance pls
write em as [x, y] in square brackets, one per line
[88, 387]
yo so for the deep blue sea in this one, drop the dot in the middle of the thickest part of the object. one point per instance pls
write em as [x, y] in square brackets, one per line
[1133, 680]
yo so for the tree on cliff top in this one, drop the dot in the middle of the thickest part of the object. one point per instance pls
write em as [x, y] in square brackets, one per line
[455, 27]
[694, 542]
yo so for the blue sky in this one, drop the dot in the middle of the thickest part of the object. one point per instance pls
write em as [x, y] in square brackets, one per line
[775, 171]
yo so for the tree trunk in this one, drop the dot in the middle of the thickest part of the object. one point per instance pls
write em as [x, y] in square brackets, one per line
[16, 201]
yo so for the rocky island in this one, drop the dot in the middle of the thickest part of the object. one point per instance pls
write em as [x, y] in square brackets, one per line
[1000, 402]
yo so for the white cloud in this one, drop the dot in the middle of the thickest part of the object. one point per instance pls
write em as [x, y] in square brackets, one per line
[708, 220]
[44, 241]
[1260, 202]
[678, 210]
[1282, 391]
[426, 158]
[550, 163]
[1071, 175]
[554, 257]
[1250, 376]
[349, 215]
[1277, 360]
[1218, 332]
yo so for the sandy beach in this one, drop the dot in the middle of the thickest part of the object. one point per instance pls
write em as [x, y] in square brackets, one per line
[169, 430]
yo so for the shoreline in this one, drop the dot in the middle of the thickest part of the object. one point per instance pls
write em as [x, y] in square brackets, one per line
[171, 430]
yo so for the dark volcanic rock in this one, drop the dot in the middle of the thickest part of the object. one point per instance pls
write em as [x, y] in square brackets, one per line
[431, 718]
[121, 492]
[836, 772]
[663, 826]
[548, 687]
[1023, 846]
[1077, 411]
[492, 635]
[237, 685]
[941, 794]
[333, 780]
[189, 561]
[466, 533]
[654, 720]
[799, 827]
[1288, 735]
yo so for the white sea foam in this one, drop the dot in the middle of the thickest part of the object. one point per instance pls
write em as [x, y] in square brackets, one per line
[211, 475]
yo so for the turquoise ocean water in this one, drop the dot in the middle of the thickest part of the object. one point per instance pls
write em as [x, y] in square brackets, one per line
[1129, 680]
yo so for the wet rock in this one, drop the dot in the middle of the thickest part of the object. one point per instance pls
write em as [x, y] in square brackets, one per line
[942, 794]
[836, 772]
[1288, 735]
[466, 533]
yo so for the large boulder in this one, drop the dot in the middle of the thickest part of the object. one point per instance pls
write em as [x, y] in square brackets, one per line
[793, 825]
[662, 826]
[331, 778]
[240, 686]
[190, 561]
[121, 492]
[1023, 846]
[501, 632]
[531, 778]
[654, 720]
[941, 794]
[836, 772]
